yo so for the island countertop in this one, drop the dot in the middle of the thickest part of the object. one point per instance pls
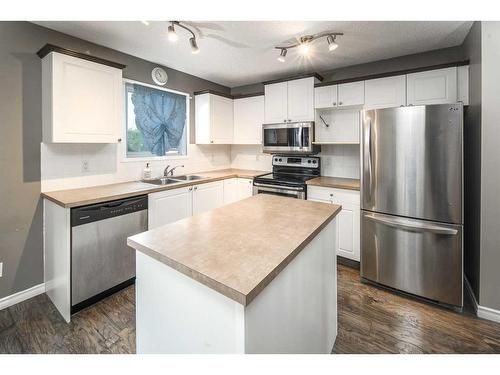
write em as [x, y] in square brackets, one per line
[238, 249]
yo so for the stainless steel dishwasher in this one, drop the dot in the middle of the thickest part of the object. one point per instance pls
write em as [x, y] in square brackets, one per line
[101, 261]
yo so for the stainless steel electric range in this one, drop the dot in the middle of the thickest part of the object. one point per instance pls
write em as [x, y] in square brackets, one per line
[289, 176]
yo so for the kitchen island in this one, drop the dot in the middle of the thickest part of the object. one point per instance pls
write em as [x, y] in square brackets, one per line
[255, 276]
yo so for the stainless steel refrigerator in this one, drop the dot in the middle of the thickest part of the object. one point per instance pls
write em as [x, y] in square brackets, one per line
[412, 200]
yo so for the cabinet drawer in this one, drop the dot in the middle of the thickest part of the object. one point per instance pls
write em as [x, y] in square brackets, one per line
[339, 196]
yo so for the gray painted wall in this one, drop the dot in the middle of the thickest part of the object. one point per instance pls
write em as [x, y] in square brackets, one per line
[489, 294]
[20, 121]
[435, 57]
[472, 160]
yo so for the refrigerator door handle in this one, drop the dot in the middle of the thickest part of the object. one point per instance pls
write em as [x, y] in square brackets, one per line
[412, 226]
[368, 146]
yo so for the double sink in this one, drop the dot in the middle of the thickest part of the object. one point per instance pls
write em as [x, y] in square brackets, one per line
[173, 180]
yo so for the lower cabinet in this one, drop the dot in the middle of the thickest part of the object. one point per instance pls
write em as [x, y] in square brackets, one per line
[348, 219]
[168, 206]
[236, 189]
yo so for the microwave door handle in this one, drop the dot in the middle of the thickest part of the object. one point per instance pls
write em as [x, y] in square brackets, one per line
[301, 144]
[412, 226]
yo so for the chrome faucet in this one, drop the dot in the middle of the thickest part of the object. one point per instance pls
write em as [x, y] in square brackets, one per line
[171, 170]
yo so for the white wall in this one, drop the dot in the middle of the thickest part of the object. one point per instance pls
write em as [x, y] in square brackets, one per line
[61, 164]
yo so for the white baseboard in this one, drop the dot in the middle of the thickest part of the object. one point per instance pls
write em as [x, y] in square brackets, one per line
[487, 313]
[22, 296]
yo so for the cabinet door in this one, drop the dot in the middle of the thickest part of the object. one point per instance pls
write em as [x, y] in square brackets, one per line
[245, 188]
[385, 92]
[82, 100]
[463, 84]
[349, 231]
[276, 99]
[432, 87]
[301, 100]
[202, 119]
[248, 120]
[325, 97]
[231, 190]
[351, 94]
[221, 124]
[168, 206]
[207, 196]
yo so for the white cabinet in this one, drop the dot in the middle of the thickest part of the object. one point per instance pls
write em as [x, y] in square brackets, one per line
[236, 189]
[82, 101]
[245, 188]
[248, 120]
[276, 102]
[301, 99]
[351, 94]
[207, 196]
[385, 92]
[348, 219]
[463, 84]
[168, 206]
[213, 119]
[325, 96]
[289, 101]
[432, 87]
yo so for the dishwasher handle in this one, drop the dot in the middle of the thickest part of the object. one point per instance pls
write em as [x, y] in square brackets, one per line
[106, 210]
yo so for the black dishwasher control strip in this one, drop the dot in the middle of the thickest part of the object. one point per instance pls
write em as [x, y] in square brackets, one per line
[106, 210]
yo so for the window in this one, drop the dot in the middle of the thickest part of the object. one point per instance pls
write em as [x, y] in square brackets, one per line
[156, 121]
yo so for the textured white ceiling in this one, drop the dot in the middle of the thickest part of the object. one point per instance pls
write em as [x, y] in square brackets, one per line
[239, 53]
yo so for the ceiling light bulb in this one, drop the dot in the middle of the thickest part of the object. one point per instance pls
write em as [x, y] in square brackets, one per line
[172, 35]
[282, 56]
[331, 43]
[194, 46]
[304, 48]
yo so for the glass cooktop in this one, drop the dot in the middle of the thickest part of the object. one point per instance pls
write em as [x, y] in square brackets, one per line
[284, 178]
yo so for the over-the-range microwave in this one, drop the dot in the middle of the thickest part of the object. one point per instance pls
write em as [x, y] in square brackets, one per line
[289, 138]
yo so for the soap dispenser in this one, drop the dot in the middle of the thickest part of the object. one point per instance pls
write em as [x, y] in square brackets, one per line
[146, 173]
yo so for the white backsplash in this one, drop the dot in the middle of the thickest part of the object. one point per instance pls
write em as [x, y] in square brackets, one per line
[62, 164]
[250, 157]
[340, 161]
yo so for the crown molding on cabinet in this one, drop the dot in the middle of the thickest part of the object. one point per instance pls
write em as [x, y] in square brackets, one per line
[48, 48]
[229, 96]
[243, 96]
[315, 75]
[393, 73]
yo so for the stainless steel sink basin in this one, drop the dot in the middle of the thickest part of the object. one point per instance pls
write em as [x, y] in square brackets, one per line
[188, 177]
[161, 181]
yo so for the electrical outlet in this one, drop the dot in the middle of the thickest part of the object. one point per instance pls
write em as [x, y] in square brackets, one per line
[1, 269]
[85, 166]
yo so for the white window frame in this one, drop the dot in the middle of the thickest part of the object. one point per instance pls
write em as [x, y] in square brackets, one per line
[123, 144]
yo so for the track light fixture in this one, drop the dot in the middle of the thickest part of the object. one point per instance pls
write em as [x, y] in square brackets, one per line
[173, 37]
[282, 56]
[304, 44]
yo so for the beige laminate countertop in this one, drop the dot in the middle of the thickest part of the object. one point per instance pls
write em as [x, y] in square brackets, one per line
[238, 249]
[335, 182]
[97, 194]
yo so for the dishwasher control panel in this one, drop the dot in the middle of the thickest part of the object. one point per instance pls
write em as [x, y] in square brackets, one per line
[101, 211]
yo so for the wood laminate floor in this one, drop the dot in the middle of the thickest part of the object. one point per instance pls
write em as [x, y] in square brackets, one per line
[371, 320]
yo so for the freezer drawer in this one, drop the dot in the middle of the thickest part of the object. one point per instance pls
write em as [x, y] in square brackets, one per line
[416, 256]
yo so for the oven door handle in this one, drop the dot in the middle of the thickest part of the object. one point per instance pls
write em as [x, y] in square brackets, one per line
[278, 187]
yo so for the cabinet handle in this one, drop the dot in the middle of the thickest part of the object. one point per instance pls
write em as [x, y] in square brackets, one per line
[340, 103]
[119, 140]
[195, 188]
[211, 141]
[331, 194]
[190, 188]
[334, 104]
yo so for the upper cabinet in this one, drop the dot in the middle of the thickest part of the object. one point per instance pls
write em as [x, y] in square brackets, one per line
[289, 101]
[213, 119]
[325, 96]
[82, 100]
[248, 120]
[351, 94]
[337, 96]
[432, 87]
[385, 92]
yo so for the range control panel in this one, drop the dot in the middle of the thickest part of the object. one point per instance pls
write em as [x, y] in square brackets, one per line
[296, 161]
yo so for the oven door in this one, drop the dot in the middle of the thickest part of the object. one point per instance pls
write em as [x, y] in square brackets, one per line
[294, 137]
[284, 191]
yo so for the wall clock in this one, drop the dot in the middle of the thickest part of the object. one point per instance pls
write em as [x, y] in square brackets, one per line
[159, 76]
